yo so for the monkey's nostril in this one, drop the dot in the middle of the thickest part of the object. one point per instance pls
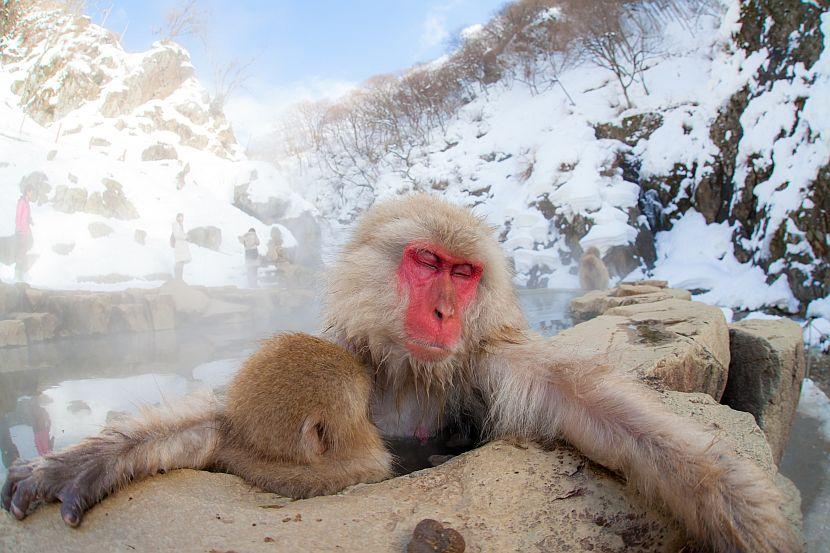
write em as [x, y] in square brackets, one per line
[439, 314]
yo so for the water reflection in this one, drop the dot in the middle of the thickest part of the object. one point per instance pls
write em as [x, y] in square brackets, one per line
[52, 395]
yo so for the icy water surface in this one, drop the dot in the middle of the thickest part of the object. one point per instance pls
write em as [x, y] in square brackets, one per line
[53, 395]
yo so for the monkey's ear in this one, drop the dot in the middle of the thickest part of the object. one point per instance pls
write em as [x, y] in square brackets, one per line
[313, 435]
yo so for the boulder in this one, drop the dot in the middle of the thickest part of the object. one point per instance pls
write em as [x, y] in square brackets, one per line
[671, 344]
[63, 249]
[112, 202]
[500, 497]
[78, 314]
[765, 374]
[159, 151]
[98, 142]
[598, 302]
[40, 327]
[188, 300]
[12, 333]
[69, 199]
[12, 298]
[162, 311]
[223, 312]
[306, 229]
[129, 317]
[99, 230]
[269, 212]
[209, 237]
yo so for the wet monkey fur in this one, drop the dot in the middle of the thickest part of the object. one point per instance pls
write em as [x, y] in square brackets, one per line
[295, 421]
[423, 297]
[593, 275]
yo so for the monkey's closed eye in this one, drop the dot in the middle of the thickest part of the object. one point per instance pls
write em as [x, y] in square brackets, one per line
[428, 259]
[465, 270]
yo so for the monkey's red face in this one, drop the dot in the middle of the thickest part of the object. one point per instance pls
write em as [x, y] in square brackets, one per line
[440, 287]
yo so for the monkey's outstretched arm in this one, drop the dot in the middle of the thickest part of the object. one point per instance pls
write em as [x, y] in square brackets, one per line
[724, 501]
[184, 436]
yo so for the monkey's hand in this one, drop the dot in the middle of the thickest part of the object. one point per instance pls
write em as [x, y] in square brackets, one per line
[30, 483]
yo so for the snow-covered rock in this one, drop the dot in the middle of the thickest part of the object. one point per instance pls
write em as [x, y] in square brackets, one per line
[120, 141]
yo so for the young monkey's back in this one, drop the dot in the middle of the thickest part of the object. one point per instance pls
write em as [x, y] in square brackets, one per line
[301, 403]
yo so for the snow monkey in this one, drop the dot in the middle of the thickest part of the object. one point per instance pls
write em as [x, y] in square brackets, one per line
[423, 296]
[295, 421]
[592, 272]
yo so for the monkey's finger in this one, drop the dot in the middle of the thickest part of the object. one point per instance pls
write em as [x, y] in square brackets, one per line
[24, 494]
[71, 511]
[8, 491]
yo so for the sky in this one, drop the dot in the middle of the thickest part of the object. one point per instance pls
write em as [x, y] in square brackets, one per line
[297, 49]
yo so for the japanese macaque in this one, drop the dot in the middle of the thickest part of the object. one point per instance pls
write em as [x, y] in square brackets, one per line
[295, 421]
[593, 275]
[423, 296]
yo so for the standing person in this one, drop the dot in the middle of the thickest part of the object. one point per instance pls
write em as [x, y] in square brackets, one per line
[23, 231]
[250, 241]
[181, 251]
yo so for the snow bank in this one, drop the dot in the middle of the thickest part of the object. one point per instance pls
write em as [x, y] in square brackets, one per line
[697, 256]
[816, 405]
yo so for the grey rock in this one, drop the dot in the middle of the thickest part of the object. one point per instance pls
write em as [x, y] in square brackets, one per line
[158, 152]
[12, 333]
[765, 375]
[99, 230]
[209, 237]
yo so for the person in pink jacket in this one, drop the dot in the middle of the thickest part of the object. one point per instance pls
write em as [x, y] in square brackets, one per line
[23, 231]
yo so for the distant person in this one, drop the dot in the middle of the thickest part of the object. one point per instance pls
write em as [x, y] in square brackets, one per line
[251, 242]
[23, 232]
[181, 251]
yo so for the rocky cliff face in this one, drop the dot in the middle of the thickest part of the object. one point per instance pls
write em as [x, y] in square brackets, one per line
[768, 175]
[62, 64]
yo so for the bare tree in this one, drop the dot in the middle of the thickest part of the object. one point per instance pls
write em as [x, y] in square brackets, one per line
[618, 35]
[228, 78]
[187, 19]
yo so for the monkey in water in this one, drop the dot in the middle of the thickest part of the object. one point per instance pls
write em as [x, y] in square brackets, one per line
[593, 275]
[424, 298]
[295, 421]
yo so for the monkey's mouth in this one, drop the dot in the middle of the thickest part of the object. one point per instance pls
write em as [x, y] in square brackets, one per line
[426, 351]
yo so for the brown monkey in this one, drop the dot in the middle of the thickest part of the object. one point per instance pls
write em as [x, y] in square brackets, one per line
[424, 297]
[295, 422]
[593, 275]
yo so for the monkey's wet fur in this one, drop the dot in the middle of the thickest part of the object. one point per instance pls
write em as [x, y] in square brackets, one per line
[422, 330]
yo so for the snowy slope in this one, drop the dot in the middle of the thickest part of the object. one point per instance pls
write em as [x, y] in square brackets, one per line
[552, 179]
[78, 109]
